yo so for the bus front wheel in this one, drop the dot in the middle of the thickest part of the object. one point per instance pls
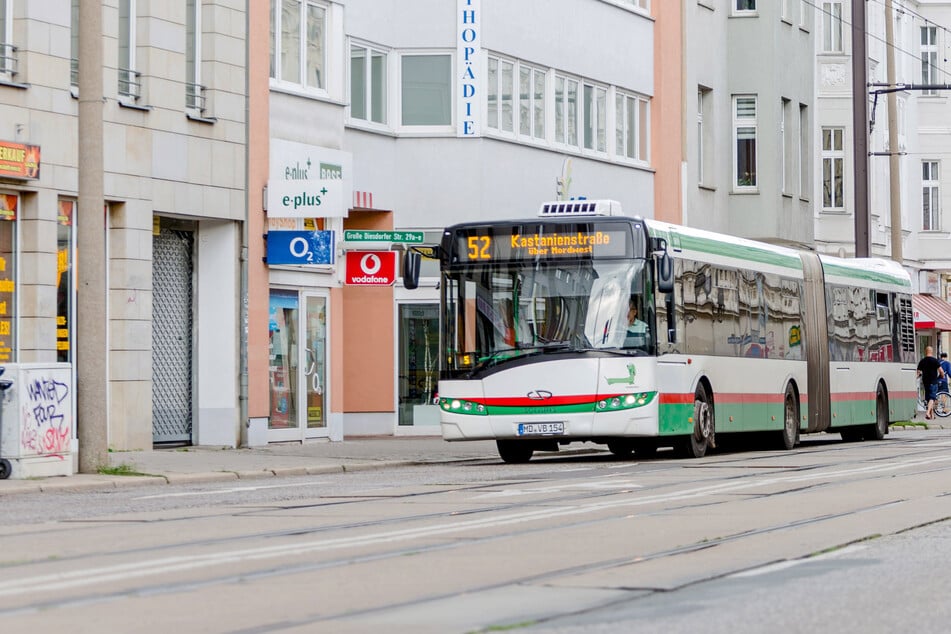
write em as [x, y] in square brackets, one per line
[515, 451]
[696, 444]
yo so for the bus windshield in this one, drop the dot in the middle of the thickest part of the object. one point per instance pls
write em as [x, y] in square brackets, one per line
[504, 311]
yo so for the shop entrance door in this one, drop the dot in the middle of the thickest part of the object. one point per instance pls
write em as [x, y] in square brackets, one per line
[418, 366]
[172, 324]
[297, 371]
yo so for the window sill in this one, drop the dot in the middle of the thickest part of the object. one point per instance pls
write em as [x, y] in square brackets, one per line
[745, 192]
[193, 116]
[786, 195]
[12, 84]
[125, 102]
[297, 91]
[834, 212]
[706, 4]
[708, 188]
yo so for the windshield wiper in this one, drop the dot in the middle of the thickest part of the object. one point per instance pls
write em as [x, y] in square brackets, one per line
[518, 352]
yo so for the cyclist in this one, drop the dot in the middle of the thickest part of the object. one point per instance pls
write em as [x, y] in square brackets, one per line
[929, 369]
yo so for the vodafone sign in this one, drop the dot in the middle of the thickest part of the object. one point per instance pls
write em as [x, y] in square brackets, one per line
[371, 268]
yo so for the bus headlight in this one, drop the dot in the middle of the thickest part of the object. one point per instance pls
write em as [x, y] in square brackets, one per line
[462, 406]
[625, 401]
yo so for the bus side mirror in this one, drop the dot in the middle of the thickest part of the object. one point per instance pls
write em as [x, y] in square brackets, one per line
[665, 273]
[411, 263]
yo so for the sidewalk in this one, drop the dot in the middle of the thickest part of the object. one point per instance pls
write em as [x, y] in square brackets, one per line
[184, 465]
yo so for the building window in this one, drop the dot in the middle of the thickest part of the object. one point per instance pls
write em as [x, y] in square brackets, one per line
[745, 6]
[630, 134]
[64, 277]
[744, 132]
[929, 57]
[784, 10]
[8, 59]
[130, 88]
[531, 102]
[595, 118]
[704, 133]
[785, 146]
[9, 207]
[804, 149]
[426, 90]
[638, 4]
[367, 84]
[73, 46]
[501, 95]
[930, 200]
[566, 111]
[194, 90]
[832, 27]
[298, 43]
[833, 169]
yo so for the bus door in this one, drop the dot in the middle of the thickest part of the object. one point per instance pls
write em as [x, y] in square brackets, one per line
[816, 337]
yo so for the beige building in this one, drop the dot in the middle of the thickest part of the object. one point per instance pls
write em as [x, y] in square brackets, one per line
[174, 181]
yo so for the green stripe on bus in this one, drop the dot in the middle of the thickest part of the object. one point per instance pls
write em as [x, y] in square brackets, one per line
[739, 251]
[864, 274]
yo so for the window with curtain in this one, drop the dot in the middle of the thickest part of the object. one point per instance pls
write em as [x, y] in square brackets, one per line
[929, 57]
[627, 125]
[298, 43]
[531, 102]
[566, 111]
[832, 26]
[930, 200]
[194, 91]
[744, 134]
[500, 90]
[595, 118]
[367, 84]
[426, 90]
[745, 5]
[833, 169]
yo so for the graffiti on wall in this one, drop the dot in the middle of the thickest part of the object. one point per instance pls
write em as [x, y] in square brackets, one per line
[46, 413]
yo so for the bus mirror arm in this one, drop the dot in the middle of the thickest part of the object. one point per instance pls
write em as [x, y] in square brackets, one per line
[671, 319]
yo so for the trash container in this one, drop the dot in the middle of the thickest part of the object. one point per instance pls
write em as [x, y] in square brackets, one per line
[5, 467]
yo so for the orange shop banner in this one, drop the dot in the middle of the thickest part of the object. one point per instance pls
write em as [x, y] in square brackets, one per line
[18, 160]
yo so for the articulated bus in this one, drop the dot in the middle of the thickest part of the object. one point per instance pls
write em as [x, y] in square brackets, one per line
[733, 336]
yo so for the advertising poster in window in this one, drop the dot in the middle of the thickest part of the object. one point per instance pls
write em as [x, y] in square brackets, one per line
[8, 215]
[64, 277]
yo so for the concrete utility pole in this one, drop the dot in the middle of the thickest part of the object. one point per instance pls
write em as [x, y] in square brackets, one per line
[91, 353]
[894, 158]
[860, 129]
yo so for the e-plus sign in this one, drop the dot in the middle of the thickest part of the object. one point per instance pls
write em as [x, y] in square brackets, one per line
[324, 191]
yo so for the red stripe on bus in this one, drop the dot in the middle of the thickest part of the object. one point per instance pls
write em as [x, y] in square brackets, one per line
[853, 396]
[724, 398]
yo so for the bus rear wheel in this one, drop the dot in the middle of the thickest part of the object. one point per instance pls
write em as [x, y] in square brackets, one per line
[696, 444]
[621, 447]
[790, 419]
[514, 451]
[879, 428]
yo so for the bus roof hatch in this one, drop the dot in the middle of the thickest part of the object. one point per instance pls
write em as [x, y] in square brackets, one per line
[561, 208]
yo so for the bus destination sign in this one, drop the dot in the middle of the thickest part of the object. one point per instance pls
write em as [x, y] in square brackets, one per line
[521, 243]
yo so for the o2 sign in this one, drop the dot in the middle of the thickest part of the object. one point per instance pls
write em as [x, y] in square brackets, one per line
[300, 247]
[371, 268]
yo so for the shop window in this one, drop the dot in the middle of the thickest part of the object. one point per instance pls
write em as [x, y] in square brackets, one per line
[283, 359]
[9, 205]
[64, 280]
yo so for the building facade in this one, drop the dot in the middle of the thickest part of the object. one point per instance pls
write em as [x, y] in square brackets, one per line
[744, 120]
[422, 115]
[174, 175]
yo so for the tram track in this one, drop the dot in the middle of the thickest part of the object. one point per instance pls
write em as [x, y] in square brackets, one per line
[539, 510]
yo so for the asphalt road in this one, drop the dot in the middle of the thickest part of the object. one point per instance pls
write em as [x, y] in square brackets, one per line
[837, 537]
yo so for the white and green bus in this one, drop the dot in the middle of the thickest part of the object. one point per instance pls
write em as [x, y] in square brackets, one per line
[734, 336]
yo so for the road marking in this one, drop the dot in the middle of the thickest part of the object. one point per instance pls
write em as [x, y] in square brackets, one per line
[582, 486]
[185, 494]
[790, 563]
[165, 565]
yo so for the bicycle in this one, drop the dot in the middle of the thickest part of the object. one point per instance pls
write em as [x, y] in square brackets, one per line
[942, 403]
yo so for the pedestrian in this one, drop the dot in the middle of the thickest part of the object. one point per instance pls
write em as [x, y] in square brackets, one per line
[929, 369]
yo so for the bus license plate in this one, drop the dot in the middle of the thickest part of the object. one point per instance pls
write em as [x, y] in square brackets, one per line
[545, 429]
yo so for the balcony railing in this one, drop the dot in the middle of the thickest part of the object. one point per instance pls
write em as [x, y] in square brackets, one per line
[130, 85]
[8, 60]
[195, 97]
